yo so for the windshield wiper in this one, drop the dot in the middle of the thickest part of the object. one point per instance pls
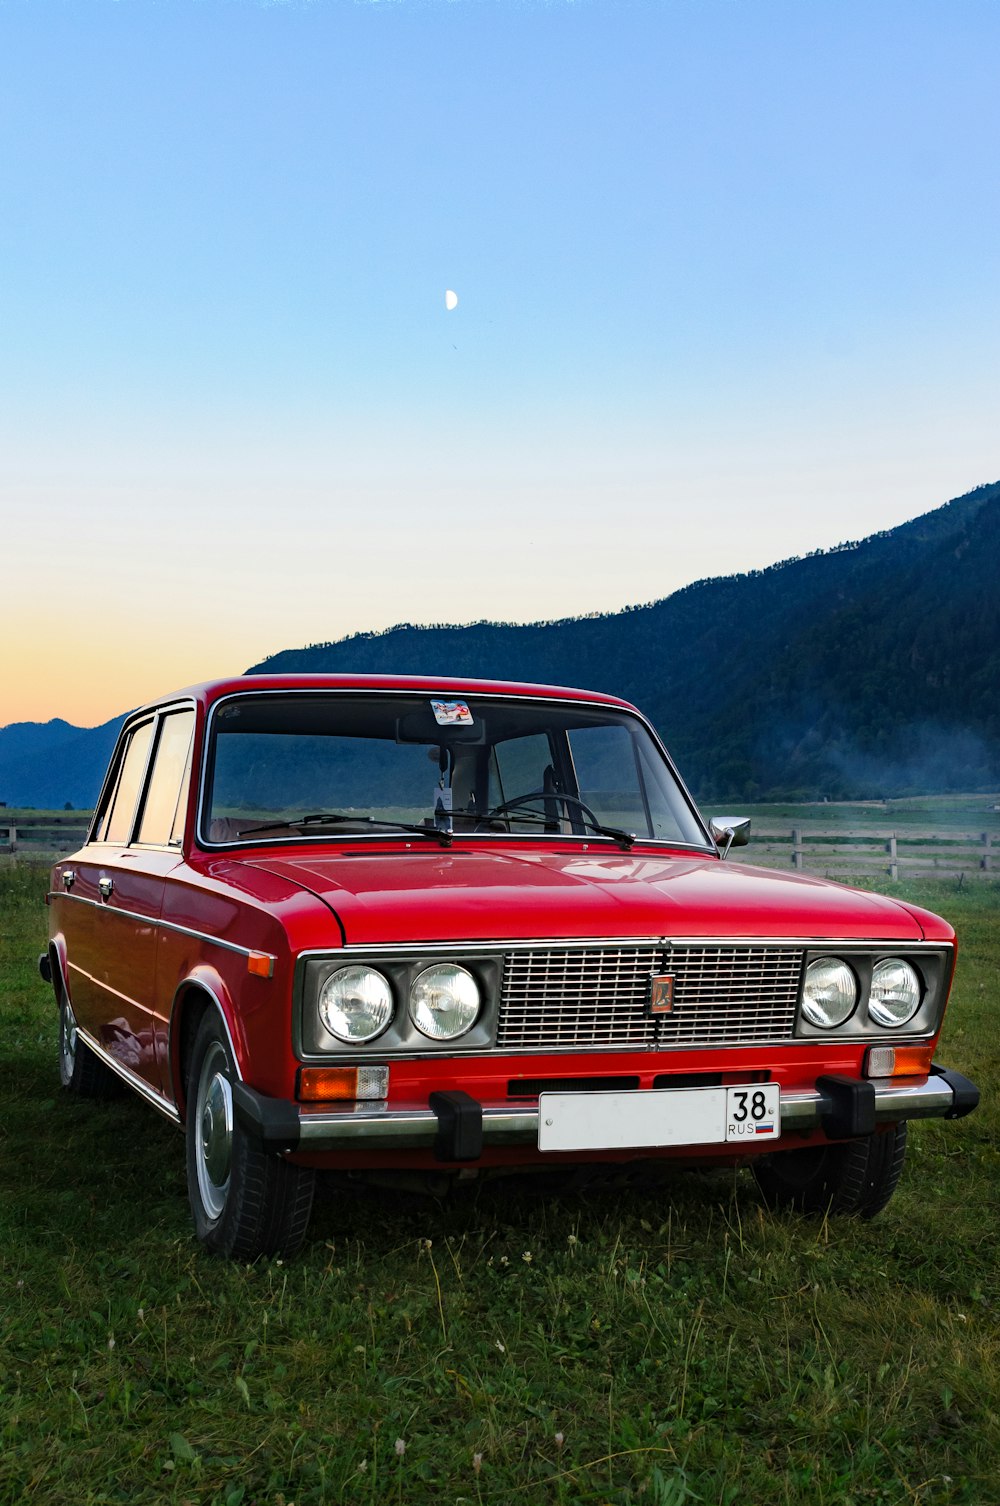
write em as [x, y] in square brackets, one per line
[337, 818]
[625, 839]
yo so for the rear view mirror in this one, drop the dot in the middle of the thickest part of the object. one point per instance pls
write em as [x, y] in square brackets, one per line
[421, 726]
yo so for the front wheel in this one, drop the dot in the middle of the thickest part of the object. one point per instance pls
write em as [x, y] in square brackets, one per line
[857, 1178]
[246, 1201]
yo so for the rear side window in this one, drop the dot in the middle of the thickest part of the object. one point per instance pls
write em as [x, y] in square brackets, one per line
[117, 828]
[166, 798]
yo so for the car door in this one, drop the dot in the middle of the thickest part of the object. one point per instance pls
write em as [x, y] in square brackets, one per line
[118, 880]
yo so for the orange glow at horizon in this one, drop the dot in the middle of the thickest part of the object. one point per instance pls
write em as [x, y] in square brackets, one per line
[86, 682]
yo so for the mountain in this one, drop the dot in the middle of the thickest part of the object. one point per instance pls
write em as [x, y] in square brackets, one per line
[46, 764]
[865, 670]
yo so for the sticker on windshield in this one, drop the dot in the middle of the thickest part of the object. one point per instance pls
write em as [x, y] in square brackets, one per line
[451, 713]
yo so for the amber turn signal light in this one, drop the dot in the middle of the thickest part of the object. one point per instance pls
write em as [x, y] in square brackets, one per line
[260, 964]
[350, 1084]
[899, 1061]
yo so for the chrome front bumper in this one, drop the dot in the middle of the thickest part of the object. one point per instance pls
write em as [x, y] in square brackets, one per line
[457, 1128]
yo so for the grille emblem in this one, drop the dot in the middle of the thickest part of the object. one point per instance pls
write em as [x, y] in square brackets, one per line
[661, 996]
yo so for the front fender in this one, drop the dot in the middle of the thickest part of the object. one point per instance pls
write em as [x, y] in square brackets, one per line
[202, 982]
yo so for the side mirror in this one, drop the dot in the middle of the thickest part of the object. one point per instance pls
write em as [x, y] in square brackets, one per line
[729, 831]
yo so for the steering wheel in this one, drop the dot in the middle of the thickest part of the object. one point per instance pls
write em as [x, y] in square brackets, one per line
[534, 796]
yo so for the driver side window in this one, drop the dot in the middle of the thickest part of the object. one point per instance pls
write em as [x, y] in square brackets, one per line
[517, 767]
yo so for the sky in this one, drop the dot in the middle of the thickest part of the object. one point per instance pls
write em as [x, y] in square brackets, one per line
[728, 279]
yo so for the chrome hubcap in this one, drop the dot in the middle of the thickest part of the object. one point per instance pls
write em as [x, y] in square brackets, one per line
[68, 1034]
[214, 1119]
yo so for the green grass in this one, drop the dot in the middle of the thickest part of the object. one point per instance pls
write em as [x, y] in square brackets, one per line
[660, 1344]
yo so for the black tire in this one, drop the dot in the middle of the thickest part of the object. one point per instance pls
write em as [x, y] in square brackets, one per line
[80, 1071]
[246, 1201]
[857, 1178]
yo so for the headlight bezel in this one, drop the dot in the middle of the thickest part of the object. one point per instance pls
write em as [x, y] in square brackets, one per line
[932, 963]
[313, 1044]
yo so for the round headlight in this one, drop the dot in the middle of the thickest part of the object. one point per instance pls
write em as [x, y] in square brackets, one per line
[355, 1004]
[444, 1001]
[830, 993]
[895, 995]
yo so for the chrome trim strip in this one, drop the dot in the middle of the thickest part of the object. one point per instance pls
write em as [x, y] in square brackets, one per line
[397, 1129]
[412, 840]
[141, 1086]
[566, 943]
[467, 948]
[378, 1128]
[929, 1099]
[170, 925]
[104, 987]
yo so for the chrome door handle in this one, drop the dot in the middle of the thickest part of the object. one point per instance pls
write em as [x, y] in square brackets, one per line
[69, 878]
[105, 885]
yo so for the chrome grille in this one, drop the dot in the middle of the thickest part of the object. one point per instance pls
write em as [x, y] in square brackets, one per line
[731, 995]
[584, 998]
[577, 998]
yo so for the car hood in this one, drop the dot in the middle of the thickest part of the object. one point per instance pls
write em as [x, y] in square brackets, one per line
[461, 894]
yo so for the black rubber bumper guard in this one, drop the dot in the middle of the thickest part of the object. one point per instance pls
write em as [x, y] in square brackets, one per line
[847, 1104]
[966, 1094]
[274, 1122]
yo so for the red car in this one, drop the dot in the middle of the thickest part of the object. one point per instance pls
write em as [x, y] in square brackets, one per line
[368, 923]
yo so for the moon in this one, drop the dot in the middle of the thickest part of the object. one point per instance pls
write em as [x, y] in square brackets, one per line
[450, 300]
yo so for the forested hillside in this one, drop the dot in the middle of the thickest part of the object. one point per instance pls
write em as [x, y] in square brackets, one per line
[872, 669]
[869, 669]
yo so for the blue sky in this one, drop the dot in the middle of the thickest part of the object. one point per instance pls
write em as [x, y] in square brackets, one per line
[728, 291]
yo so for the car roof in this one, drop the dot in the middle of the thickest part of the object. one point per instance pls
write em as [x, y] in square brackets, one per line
[215, 690]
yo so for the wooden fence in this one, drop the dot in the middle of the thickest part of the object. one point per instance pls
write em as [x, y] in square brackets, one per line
[832, 852]
[44, 835]
[838, 853]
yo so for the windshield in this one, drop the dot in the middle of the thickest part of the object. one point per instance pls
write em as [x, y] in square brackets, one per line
[307, 765]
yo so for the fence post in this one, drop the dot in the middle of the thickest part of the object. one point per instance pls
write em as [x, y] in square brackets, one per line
[13, 839]
[798, 854]
[986, 861]
[890, 848]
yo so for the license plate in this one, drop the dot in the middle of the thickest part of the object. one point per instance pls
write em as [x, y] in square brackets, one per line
[676, 1116]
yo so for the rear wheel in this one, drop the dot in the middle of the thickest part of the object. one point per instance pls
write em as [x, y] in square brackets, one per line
[79, 1069]
[858, 1177]
[246, 1201]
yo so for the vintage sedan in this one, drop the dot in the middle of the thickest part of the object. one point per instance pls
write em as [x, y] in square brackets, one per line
[372, 924]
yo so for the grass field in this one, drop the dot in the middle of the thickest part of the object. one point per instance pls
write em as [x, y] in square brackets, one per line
[661, 1344]
[974, 813]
